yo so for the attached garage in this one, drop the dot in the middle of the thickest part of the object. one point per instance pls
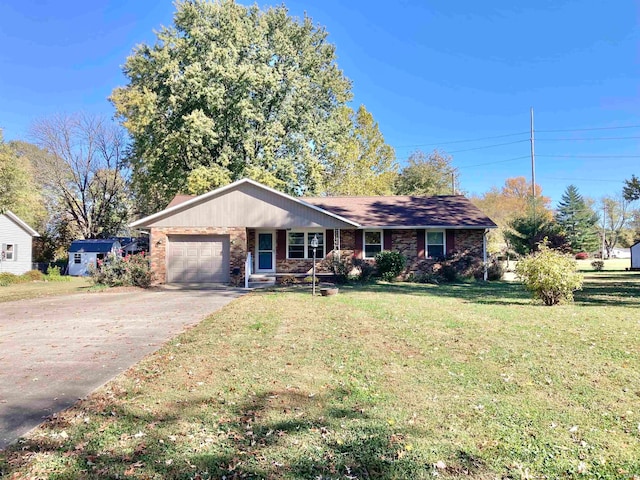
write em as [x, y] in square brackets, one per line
[198, 259]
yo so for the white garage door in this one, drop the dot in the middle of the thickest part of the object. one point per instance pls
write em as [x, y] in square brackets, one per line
[198, 259]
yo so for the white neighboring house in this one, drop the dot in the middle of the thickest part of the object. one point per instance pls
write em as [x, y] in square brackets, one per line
[635, 256]
[16, 239]
[83, 253]
[620, 253]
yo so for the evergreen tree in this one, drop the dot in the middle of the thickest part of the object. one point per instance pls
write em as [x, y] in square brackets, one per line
[526, 233]
[578, 221]
[631, 190]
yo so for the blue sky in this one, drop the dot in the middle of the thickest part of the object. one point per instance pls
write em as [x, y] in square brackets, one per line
[431, 72]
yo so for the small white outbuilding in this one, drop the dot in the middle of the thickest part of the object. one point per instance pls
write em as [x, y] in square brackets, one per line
[16, 244]
[635, 256]
[83, 253]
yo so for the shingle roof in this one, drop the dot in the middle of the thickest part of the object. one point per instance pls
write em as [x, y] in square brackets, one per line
[398, 210]
[406, 211]
[93, 246]
[178, 199]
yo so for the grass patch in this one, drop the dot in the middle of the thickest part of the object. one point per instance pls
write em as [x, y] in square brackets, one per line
[382, 381]
[610, 264]
[22, 291]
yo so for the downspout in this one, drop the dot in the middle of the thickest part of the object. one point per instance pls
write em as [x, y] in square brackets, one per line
[485, 273]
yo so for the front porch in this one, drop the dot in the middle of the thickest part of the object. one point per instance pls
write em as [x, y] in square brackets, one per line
[286, 255]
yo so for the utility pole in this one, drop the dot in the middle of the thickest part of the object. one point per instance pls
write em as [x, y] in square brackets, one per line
[533, 160]
[453, 183]
[533, 179]
[604, 227]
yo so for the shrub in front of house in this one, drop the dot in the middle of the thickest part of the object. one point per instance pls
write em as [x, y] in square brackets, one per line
[7, 279]
[366, 271]
[495, 270]
[460, 266]
[54, 274]
[128, 271]
[549, 275]
[341, 270]
[597, 265]
[390, 264]
[33, 276]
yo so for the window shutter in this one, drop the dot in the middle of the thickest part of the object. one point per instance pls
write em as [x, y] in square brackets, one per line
[281, 244]
[386, 243]
[420, 242]
[15, 252]
[2, 252]
[328, 241]
[357, 253]
[451, 241]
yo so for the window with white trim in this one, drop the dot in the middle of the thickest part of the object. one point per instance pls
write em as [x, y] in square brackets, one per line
[434, 247]
[299, 244]
[372, 243]
[9, 252]
[77, 258]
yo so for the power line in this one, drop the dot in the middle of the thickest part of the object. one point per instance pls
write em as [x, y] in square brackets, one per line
[492, 163]
[462, 141]
[487, 146]
[590, 156]
[494, 137]
[583, 179]
[588, 129]
[583, 139]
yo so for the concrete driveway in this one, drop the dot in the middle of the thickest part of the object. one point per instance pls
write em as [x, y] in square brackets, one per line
[56, 350]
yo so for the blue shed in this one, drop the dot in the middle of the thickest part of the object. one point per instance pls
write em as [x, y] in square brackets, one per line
[83, 253]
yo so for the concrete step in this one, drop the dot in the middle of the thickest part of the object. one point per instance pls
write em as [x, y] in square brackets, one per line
[261, 284]
[258, 280]
[260, 277]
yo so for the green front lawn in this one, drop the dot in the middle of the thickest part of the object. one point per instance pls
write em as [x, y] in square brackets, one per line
[22, 291]
[384, 381]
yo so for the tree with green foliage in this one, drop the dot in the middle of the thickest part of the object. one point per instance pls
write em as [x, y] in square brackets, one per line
[227, 92]
[504, 204]
[631, 189]
[19, 191]
[526, 233]
[364, 164]
[549, 275]
[578, 221]
[427, 174]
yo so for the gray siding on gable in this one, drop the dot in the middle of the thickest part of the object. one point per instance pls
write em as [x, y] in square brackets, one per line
[635, 256]
[249, 206]
[10, 233]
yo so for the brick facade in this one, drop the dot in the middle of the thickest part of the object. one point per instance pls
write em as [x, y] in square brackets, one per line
[242, 240]
[466, 242]
[159, 244]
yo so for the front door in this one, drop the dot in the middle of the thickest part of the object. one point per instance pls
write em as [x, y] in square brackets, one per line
[265, 252]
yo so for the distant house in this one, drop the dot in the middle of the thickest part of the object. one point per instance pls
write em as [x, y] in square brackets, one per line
[16, 244]
[620, 253]
[83, 253]
[635, 256]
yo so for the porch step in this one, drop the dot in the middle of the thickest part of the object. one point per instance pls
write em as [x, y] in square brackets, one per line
[261, 281]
